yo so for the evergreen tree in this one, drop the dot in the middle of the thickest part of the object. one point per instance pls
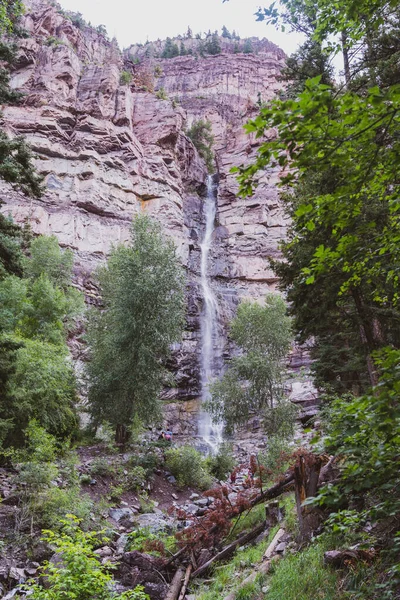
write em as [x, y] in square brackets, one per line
[248, 47]
[212, 45]
[170, 49]
[16, 166]
[142, 292]
[225, 33]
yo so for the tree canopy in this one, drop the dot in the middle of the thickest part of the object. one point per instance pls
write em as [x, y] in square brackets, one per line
[142, 290]
[253, 381]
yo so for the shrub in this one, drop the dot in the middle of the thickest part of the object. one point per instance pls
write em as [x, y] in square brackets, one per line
[222, 463]
[135, 478]
[53, 41]
[125, 78]
[101, 467]
[78, 573]
[145, 541]
[188, 466]
[202, 137]
[148, 461]
[161, 94]
[42, 502]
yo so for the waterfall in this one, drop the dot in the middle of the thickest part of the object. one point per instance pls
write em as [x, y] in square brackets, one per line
[212, 434]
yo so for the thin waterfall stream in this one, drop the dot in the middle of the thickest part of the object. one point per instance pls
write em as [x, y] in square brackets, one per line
[211, 433]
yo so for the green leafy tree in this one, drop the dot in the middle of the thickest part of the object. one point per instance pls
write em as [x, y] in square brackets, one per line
[78, 573]
[253, 382]
[142, 292]
[35, 315]
[348, 137]
[201, 135]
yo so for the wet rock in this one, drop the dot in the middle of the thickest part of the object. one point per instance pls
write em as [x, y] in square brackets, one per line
[119, 514]
[155, 522]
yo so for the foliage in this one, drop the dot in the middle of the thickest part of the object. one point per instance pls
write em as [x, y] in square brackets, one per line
[78, 572]
[16, 165]
[253, 381]
[102, 467]
[170, 49]
[367, 432]
[161, 94]
[136, 478]
[142, 292]
[10, 11]
[53, 41]
[248, 47]
[143, 540]
[227, 578]
[125, 78]
[42, 386]
[221, 463]
[275, 458]
[41, 501]
[10, 248]
[188, 466]
[37, 376]
[338, 149]
[212, 45]
[201, 135]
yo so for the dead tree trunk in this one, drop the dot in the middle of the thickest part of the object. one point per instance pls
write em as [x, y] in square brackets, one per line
[185, 582]
[306, 475]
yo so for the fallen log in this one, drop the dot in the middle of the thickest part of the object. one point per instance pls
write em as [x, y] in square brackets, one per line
[185, 582]
[176, 585]
[277, 538]
[227, 551]
[263, 568]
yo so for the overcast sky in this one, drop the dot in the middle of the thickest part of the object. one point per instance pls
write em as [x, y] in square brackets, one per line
[132, 21]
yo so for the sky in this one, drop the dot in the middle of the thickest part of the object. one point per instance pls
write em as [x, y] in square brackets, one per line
[134, 21]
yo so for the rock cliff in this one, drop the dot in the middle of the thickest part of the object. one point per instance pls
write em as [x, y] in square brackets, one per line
[109, 149]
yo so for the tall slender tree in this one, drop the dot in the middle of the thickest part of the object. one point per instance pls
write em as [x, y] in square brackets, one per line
[142, 288]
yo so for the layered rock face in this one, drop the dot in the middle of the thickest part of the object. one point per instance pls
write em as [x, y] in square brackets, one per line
[108, 151]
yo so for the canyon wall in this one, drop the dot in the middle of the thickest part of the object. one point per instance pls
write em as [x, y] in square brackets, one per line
[109, 150]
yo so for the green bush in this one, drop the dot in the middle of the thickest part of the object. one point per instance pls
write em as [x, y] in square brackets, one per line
[188, 466]
[125, 78]
[148, 461]
[42, 502]
[78, 573]
[275, 458]
[101, 467]
[161, 94]
[222, 463]
[201, 135]
[135, 479]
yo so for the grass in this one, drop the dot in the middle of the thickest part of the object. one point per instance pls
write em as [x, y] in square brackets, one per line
[302, 576]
